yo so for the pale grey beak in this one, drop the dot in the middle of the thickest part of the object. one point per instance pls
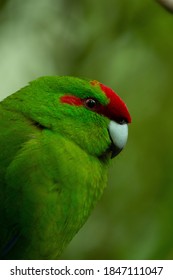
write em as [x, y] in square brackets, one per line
[118, 134]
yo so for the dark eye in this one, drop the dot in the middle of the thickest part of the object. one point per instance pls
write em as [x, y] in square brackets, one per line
[90, 103]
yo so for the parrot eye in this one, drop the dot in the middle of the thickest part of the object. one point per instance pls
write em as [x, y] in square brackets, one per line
[90, 103]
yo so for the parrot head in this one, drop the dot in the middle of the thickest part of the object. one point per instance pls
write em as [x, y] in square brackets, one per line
[87, 112]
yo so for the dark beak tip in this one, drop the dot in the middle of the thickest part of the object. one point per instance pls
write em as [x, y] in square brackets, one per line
[115, 152]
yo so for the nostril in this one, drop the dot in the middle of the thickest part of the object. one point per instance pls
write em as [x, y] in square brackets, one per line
[122, 121]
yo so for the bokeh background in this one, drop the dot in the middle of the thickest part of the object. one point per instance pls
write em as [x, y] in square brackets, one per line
[127, 45]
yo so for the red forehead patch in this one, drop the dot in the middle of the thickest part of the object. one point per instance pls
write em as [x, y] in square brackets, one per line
[116, 109]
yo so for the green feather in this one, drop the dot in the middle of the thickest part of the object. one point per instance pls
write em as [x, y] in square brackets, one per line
[53, 166]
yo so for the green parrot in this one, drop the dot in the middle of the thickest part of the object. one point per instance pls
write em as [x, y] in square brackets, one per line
[57, 137]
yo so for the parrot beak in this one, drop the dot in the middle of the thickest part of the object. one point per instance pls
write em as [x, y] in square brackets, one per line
[114, 150]
[118, 134]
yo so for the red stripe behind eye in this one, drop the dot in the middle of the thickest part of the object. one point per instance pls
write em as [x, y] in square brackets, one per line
[72, 100]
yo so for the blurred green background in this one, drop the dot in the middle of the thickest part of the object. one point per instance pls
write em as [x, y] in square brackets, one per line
[127, 45]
